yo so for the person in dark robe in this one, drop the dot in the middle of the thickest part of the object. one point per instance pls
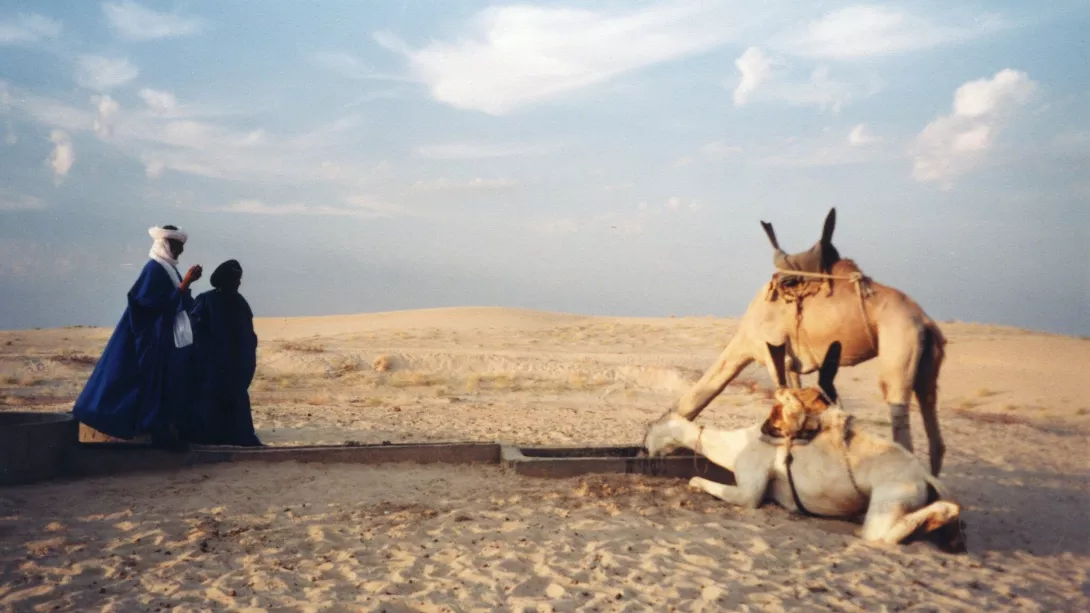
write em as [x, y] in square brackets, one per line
[224, 362]
[138, 387]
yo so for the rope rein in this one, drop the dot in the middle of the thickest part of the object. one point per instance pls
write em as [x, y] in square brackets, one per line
[790, 459]
[698, 453]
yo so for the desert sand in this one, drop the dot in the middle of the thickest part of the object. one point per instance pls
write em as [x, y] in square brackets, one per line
[287, 537]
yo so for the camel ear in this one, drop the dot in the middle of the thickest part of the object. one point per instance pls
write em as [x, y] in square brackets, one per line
[830, 225]
[827, 374]
[771, 234]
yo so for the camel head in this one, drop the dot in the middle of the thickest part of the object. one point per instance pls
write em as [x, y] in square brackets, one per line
[798, 410]
[824, 246]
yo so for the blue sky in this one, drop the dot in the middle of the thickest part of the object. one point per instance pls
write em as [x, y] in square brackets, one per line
[602, 158]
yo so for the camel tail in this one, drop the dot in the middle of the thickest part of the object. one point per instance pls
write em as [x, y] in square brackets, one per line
[926, 386]
[934, 350]
[931, 357]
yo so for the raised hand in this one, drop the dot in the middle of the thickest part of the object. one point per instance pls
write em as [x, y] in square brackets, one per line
[192, 275]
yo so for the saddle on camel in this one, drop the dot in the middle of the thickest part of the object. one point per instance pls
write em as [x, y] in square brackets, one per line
[803, 273]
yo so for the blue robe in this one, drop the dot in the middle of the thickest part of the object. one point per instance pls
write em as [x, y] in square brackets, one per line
[224, 362]
[138, 384]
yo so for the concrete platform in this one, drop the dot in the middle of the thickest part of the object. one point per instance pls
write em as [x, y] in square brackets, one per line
[42, 446]
[574, 461]
[34, 446]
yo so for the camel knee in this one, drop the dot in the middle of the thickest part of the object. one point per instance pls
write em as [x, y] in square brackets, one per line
[899, 422]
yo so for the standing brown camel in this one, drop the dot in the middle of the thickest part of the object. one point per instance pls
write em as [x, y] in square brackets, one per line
[817, 299]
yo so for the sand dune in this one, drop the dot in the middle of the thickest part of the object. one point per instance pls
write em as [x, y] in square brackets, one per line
[1012, 403]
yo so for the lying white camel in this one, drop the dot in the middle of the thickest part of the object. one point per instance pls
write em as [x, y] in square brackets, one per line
[808, 458]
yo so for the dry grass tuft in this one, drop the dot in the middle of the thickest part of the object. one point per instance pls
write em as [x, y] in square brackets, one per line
[24, 379]
[76, 358]
[342, 365]
[382, 363]
[412, 379]
[303, 347]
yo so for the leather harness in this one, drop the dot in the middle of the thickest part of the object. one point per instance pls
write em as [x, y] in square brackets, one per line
[805, 436]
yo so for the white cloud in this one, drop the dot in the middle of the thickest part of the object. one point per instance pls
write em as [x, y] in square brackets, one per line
[107, 109]
[819, 90]
[763, 77]
[479, 151]
[28, 28]
[63, 157]
[868, 30]
[478, 184]
[675, 205]
[212, 149]
[828, 149]
[719, 149]
[102, 73]
[619, 221]
[754, 68]
[10, 137]
[954, 144]
[134, 22]
[351, 67]
[154, 168]
[160, 103]
[358, 206]
[518, 55]
[861, 136]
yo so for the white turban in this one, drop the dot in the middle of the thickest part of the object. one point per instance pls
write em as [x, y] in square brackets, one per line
[160, 249]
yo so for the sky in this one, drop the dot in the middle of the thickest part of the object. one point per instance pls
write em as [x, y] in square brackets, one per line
[603, 158]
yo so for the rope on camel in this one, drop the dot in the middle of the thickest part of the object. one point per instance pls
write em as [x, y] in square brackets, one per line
[858, 278]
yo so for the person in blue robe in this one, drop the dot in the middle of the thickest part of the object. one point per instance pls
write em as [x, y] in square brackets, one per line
[138, 385]
[224, 362]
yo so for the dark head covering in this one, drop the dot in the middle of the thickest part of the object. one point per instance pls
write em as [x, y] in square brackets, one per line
[227, 276]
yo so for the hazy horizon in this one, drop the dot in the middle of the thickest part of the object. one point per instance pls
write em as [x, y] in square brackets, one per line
[608, 158]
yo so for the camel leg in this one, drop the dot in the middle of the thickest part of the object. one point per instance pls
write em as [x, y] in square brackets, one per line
[926, 387]
[731, 361]
[897, 364]
[722, 447]
[932, 517]
[742, 496]
[791, 366]
[725, 448]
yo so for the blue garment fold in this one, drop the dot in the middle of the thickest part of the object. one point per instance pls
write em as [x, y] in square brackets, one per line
[223, 365]
[138, 384]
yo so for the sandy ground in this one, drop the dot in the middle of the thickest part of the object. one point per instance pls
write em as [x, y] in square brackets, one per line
[409, 538]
